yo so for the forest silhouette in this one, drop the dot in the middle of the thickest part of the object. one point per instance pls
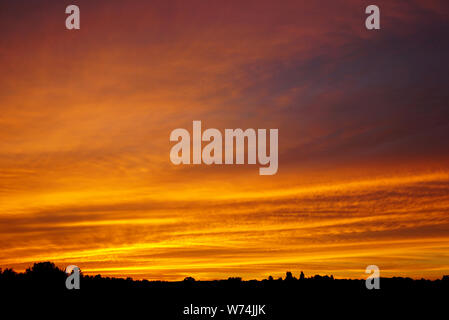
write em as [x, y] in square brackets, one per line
[283, 297]
[286, 292]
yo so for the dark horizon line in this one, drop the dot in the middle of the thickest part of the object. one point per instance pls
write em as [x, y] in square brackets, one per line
[47, 267]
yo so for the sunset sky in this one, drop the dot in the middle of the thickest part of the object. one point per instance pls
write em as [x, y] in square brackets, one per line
[363, 119]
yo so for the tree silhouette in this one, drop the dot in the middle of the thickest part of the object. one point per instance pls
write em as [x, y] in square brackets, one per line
[289, 276]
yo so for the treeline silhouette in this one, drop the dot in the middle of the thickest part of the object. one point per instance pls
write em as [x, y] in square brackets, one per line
[53, 277]
[283, 297]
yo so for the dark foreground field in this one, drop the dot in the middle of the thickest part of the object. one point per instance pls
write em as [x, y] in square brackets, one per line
[41, 289]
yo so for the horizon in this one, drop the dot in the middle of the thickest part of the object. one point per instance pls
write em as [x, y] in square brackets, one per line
[288, 275]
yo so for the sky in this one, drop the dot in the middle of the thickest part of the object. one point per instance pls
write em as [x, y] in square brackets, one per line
[363, 120]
